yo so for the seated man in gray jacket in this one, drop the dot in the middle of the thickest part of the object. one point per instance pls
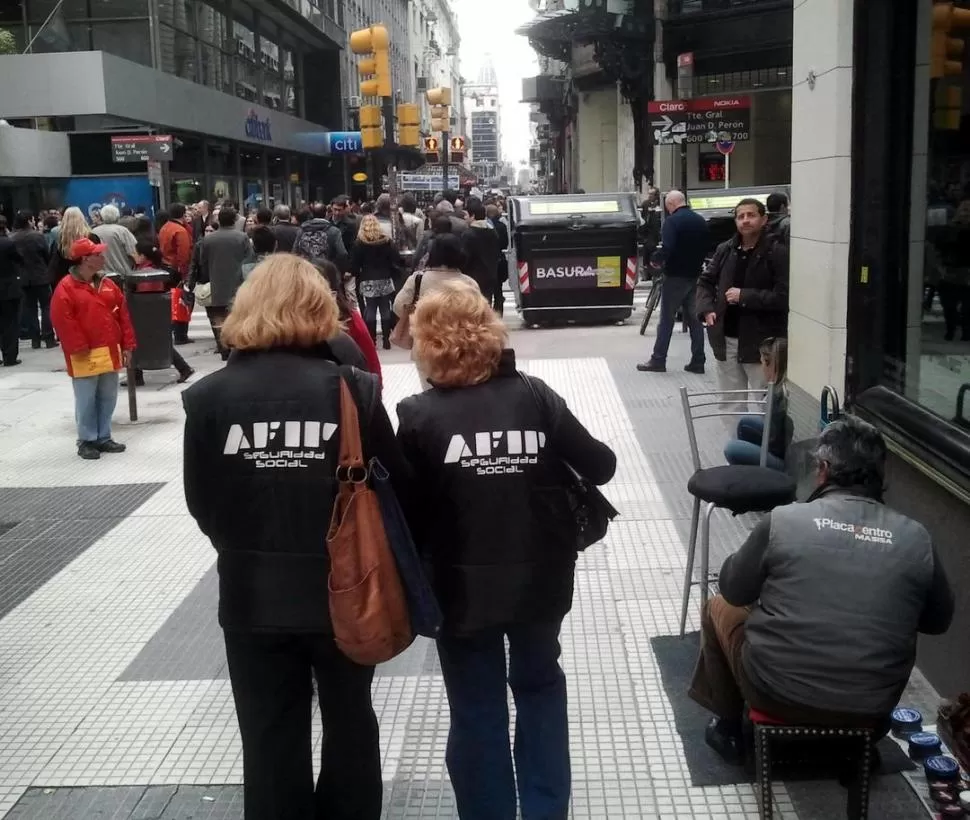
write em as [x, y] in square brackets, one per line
[819, 610]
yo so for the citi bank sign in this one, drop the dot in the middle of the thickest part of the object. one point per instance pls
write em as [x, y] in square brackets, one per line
[258, 129]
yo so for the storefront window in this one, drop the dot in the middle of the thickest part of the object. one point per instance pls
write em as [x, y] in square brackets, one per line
[252, 195]
[187, 190]
[222, 158]
[188, 156]
[936, 367]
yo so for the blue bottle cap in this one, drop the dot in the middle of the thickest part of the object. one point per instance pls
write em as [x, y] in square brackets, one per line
[924, 744]
[906, 721]
[941, 767]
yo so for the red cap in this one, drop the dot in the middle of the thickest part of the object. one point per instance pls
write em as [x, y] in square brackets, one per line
[85, 247]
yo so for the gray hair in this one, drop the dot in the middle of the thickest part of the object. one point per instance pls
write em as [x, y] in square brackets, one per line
[110, 214]
[282, 213]
[445, 207]
[855, 454]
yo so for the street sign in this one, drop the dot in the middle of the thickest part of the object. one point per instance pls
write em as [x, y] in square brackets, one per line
[154, 173]
[704, 119]
[724, 144]
[426, 182]
[141, 148]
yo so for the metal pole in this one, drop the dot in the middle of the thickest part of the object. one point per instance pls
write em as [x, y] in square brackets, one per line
[445, 149]
[727, 171]
[683, 167]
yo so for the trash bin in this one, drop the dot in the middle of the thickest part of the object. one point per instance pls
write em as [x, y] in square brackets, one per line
[150, 306]
[574, 257]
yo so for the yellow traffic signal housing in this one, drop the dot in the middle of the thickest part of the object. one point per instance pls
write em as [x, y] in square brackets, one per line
[948, 110]
[408, 124]
[371, 126]
[946, 52]
[376, 43]
[439, 96]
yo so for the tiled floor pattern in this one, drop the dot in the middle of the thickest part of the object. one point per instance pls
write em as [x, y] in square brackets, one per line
[105, 703]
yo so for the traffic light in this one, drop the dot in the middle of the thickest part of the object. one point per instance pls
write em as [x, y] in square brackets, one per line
[375, 42]
[456, 147]
[371, 126]
[432, 149]
[440, 99]
[946, 64]
[408, 125]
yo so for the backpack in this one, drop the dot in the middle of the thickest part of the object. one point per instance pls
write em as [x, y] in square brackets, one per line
[313, 244]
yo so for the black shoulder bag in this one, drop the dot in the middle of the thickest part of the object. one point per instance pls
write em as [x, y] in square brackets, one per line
[591, 510]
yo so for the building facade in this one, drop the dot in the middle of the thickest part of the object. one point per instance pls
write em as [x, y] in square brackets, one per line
[606, 61]
[880, 255]
[239, 85]
[483, 121]
[434, 42]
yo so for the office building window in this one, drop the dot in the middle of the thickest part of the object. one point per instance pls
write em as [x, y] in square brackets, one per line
[179, 14]
[178, 53]
[290, 92]
[247, 72]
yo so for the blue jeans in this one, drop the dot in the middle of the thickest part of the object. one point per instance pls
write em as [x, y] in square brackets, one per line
[746, 448]
[478, 755]
[678, 294]
[95, 398]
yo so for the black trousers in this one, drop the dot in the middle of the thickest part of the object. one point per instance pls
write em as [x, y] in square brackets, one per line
[37, 300]
[271, 684]
[9, 329]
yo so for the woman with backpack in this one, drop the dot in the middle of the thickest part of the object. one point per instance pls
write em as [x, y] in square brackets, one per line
[376, 264]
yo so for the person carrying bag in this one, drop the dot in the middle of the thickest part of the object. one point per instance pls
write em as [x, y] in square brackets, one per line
[368, 608]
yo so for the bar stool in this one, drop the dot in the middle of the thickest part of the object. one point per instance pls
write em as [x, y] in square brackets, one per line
[734, 487]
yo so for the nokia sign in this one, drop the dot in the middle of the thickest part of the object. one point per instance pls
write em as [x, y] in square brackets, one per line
[258, 129]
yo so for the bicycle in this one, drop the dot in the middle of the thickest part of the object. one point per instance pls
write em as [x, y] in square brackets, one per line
[653, 299]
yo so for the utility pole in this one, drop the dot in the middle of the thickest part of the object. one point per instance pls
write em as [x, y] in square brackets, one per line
[445, 155]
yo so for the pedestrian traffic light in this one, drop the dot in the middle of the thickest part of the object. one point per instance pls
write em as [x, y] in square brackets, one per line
[432, 149]
[456, 147]
[440, 99]
[371, 126]
[946, 52]
[408, 125]
[376, 43]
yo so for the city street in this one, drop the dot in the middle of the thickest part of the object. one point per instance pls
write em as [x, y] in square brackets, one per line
[114, 693]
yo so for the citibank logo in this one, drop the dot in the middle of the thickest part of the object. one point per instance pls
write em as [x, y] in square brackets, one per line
[258, 129]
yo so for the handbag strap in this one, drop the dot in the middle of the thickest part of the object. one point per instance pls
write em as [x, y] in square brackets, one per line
[417, 288]
[351, 450]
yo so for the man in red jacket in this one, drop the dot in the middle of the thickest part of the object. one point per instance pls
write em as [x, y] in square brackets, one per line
[90, 316]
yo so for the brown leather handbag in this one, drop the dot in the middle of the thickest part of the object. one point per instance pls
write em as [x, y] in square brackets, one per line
[367, 604]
